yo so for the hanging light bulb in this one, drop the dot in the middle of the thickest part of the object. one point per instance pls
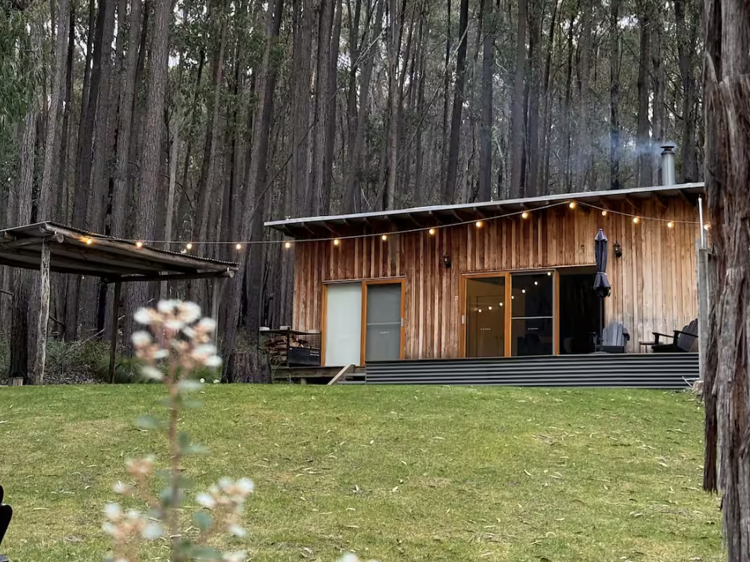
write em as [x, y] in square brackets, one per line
[636, 220]
[432, 232]
[336, 242]
[604, 213]
[479, 224]
[524, 215]
[489, 308]
[670, 224]
[138, 244]
[549, 273]
[89, 241]
[287, 245]
[706, 226]
[238, 246]
[572, 204]
[189, 246]
[384, 237]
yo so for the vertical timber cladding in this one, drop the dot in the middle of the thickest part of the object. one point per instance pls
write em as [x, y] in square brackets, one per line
[654, 283]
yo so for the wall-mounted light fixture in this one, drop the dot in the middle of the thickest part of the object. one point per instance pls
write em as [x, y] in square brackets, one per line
[447, 261]
[618, 250]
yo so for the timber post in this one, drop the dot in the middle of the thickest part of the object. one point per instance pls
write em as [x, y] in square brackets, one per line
[114, 332]
[706, 286]
[41, 329]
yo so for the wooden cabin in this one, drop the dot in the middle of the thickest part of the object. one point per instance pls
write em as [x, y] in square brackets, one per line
[495, 279]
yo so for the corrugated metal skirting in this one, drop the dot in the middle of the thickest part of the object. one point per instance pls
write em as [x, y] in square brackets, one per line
[652, 370]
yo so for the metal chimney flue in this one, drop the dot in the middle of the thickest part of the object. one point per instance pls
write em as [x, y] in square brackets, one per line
[667, 164]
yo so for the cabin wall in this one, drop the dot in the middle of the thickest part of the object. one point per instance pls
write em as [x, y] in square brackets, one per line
[654, 283]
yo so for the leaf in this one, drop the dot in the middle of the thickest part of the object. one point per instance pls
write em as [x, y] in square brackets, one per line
[202, 520]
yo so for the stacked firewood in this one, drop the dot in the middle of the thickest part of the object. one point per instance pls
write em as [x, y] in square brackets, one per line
[276, 346]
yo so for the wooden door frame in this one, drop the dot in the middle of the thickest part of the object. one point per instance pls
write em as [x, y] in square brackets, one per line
[386, 281]
[363, 321]
[463, 325]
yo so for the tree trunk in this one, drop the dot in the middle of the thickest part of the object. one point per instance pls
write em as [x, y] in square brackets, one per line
[686, 46]
[517, 112]
[302, 46]
[51, 144]
[643, 139]
[535, 46]
[614, 95]
[449, 191]
[546, 113]
[727, 173]
[583, 160]
[394, 48]
[121, 193]
[151, 155]
[485, 142]
[19, 213]
[332, 104]
[254, 205]
[658, 80]
[567, 132]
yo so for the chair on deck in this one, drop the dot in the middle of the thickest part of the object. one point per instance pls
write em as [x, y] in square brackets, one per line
[682, 341]
[614, 338]
[5, 515]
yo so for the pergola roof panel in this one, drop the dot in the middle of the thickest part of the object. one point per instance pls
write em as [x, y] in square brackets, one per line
[107, 257]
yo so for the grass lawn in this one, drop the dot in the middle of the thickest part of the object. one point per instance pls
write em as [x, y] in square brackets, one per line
[395, 473]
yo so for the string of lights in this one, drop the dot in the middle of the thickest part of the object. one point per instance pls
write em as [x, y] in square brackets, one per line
[337, 240]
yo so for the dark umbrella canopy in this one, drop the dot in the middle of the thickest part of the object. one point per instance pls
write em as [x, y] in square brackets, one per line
[601, 283]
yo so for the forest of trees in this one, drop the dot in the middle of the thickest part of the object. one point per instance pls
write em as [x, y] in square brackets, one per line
[196, 121]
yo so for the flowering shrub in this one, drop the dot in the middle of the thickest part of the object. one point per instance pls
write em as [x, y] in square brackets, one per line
[175, 343]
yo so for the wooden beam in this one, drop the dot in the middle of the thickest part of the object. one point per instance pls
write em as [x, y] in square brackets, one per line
[341, 374]
[218, 292]
[229, 273]
[23, 242]
[41, 328]
[113, 333]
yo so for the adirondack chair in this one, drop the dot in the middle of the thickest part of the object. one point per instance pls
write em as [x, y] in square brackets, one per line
[681, 341]
[5, 514]
[614, 338]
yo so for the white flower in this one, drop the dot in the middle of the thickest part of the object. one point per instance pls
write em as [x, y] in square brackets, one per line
[174, 324]
[213, 361]
[167, 306]
[121, 488]
[143, 316]
[203, 351]
[216, 381]
[160, 354]
[151, 531]
[109, 528]
[205, 500]
[189, 312]
[113, 511]
[239, 556]
[141, 338]
[207, 324]
[237, 531]
[152, 373]
[245, 485]
[225, 483]
[203, 381]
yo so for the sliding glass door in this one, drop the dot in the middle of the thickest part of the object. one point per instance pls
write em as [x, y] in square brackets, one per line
[509, 314]
[485, 316]
[532, 314]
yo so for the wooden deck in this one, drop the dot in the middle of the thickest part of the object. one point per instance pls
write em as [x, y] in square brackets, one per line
[311, 375]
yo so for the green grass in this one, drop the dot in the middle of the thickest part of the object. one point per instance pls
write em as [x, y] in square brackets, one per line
[395, 473]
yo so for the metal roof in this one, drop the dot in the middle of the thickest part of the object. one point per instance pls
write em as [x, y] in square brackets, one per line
[420, 217]
[77, 251]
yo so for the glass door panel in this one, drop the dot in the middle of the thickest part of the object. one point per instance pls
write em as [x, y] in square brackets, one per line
[383, 336]
[532, 314]
[485, 316]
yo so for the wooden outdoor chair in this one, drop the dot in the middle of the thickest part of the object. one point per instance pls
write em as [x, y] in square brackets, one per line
[5, 515]
[614, 338]
[682, 341]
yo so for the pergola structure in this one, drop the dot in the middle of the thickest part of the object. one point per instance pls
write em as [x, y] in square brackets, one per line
[48, 247]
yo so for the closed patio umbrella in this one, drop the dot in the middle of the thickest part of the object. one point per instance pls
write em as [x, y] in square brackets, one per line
[601, 283]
